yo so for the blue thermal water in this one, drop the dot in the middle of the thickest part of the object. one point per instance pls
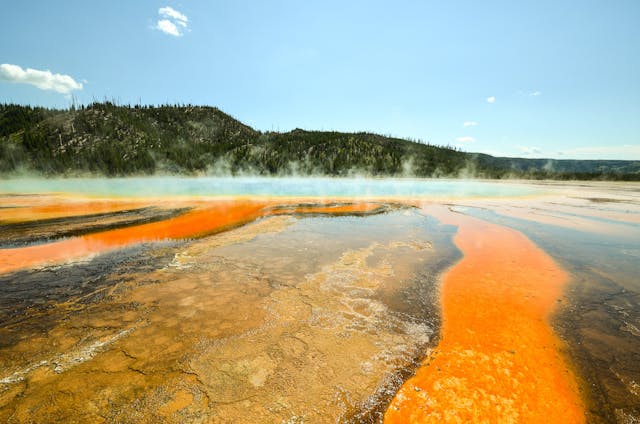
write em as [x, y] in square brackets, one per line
[259, 186]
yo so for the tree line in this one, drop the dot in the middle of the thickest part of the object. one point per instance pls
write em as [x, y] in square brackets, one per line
[103, 138]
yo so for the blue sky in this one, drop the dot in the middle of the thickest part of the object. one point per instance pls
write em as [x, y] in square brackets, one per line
[564, 75]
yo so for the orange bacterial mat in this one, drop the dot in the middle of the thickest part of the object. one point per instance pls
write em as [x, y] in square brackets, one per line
[498, 360]
[206, 218]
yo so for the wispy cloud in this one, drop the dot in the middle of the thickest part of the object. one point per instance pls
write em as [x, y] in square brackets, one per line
[44, 80]
[622, 152]
[491, 99]
[172, 22]
[529, 93]
[530, 150]
[496, 153]
[468, 124]
[465, 139]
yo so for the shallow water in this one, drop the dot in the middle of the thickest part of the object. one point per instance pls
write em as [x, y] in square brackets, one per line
[286, 317]
[205, 300]
[255, 186]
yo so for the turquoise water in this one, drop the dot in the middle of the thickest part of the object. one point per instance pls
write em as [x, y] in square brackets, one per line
[298, 187]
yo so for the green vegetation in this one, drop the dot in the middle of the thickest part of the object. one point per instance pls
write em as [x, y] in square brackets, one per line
[113, 140]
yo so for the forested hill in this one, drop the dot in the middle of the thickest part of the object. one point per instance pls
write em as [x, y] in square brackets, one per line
[114, 140]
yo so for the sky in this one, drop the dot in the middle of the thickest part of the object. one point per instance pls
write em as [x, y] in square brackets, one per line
[550, 79]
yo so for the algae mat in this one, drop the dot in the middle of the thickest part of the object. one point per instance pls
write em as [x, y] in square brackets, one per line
[502, 305]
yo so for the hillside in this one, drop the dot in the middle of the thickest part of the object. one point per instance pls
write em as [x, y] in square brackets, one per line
[106, 139]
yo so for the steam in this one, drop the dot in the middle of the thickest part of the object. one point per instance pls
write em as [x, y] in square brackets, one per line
[319, 187]
[549, 167]
[224, 167]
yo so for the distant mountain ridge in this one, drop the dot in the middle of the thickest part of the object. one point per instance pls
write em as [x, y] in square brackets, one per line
[114, 140]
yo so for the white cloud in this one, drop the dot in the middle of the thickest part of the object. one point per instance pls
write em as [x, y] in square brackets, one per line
[491, 99]
[468, 124]
[169, 12]
[535, 93]
[44, 80]
[168, 27]
[172, 22]
[465, 139]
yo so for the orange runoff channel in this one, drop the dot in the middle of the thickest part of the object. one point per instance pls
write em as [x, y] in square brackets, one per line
[206, 218]
[32, 209]
[498, 360]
